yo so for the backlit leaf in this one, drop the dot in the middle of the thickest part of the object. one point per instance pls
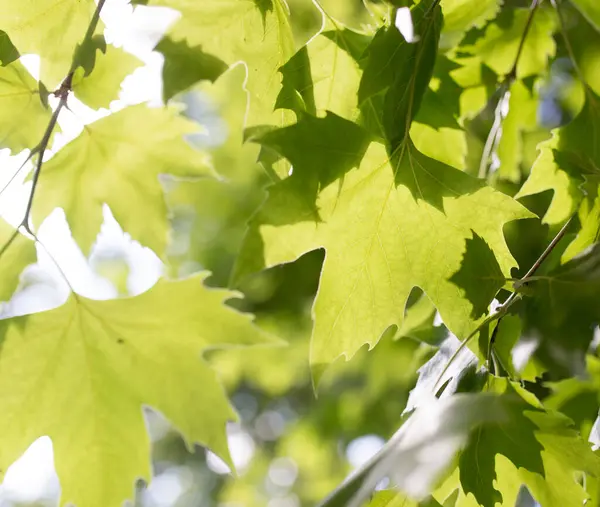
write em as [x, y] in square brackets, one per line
[565, 159]
[376, 253]
[49, 28]
[102, 86]
[25, 117]
[81, 374]
[255, 32]
[117, 160]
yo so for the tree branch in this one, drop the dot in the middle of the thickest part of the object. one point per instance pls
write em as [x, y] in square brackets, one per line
[63, 92]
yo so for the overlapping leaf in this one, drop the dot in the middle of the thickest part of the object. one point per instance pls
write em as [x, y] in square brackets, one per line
[325, 74]
[500, 44]
[565, 159]
[49, 28]
[462, 15]
[257, 33]
[394, 223]
[101, 86]
[25, 117]
[81, 373]
[117, 160]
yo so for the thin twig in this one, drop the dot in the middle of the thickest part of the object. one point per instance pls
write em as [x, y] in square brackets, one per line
[512, 299]
[504, 88]
[63, 92]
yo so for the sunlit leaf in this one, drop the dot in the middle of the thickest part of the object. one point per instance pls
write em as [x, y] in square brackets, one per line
[117, 160]
[25, 117]
[102, 86]
[81, 374]
[49, 28]
[255, 32]
[565, 159]
[500, 44]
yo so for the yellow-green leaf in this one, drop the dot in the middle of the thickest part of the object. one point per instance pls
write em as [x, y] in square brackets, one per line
[102, 86]
[257, 33]
[117, 160]
[49, 28]
[388, 226]
[25, 117]
[81, 374]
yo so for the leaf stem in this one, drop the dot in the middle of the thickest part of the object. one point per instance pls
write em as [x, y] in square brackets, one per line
[504, 89]
[503, 309]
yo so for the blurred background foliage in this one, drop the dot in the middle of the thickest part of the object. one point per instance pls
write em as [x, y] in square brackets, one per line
[293, 447]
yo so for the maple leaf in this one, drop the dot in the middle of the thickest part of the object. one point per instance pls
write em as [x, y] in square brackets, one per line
[400, 220]
[257, 33]
[185, 65]
[117, 160]
[49, 28]
[543, 452]
[81, 374]
[387, 227]
[462, 15]
[101, 86]
[25, 117]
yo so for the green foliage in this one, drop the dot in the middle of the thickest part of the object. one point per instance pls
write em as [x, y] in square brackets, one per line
[425, 205]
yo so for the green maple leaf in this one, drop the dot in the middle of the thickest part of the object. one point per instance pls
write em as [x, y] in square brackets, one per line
[400, 220]
[256, 32]
[529, 446]
[15, 258]
[564, 160]
[102, 85]
[185, 66]
[514, 438]
[590, 229]
[408, 459]
[591, 10]
[117, 160]
[462, 15]
[49, 28]
[325, 74]
[500, 43]
[81, 374]
[392, 224]
[25, 117]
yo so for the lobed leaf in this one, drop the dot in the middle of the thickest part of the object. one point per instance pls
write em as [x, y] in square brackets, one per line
[81, 374]
[117, 160]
